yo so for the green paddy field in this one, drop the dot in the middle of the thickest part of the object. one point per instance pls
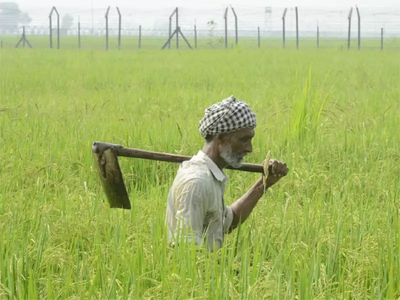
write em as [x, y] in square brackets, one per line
[329, 230]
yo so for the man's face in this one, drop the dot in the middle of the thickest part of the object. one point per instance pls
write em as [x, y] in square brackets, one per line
[235, 146]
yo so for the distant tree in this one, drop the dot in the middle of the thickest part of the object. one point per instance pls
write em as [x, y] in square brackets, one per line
[211, 40]
[211, 25]
[24, 19]
[11, 16]
[67, 21]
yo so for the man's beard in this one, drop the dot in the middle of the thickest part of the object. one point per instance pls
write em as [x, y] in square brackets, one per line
[235, 161]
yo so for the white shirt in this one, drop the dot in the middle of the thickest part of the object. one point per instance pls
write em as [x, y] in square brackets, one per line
[195, 202]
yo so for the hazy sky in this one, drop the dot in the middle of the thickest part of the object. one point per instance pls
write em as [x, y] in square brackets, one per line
[331, 15]
[202, 3]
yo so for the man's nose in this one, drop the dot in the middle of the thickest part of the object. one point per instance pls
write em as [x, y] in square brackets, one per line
[249, 148]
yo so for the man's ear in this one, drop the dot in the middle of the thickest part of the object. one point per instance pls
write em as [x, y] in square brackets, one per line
[223, 137]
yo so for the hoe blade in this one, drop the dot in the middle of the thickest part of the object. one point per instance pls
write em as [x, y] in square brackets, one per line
[111, 178]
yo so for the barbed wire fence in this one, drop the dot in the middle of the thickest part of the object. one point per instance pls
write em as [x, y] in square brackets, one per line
[228, 27]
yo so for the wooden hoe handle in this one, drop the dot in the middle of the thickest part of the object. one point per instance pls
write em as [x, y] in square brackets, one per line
[119, 150]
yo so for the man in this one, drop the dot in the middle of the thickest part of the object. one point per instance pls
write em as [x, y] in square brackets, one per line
[196, 211]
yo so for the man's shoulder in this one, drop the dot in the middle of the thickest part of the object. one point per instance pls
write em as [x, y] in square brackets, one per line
[194, 171]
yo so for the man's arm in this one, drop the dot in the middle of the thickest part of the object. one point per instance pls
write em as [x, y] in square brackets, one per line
[244, 206]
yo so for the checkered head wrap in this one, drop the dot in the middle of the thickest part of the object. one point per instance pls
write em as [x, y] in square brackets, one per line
[227, 116]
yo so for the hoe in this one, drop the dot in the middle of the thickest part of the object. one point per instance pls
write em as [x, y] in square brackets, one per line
[106, 157]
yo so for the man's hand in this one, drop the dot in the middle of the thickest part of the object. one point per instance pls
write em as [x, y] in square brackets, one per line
[277, 170]
[242, 207]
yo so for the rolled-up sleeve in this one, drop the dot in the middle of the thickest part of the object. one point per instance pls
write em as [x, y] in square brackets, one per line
[191, 202]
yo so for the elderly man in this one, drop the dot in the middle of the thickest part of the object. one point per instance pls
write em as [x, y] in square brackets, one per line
[196, 211]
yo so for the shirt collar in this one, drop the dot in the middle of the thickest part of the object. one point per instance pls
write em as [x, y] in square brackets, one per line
[217, 172]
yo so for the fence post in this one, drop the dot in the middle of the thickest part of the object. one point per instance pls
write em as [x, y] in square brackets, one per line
[176, 31]
[259, 38]
[140, 36]
[54, 9]
[297, 28]
[106, 16]
[349, 35]
[79, 34]
[170, 29]
[23, 39]
[359, 28]
[119, 28]
[381, 38]
[58, 31]
[226, 27]
[51, 32]
[236, 26]
[23, 34]
[195, 37]
[283, 28]
[177, 26]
